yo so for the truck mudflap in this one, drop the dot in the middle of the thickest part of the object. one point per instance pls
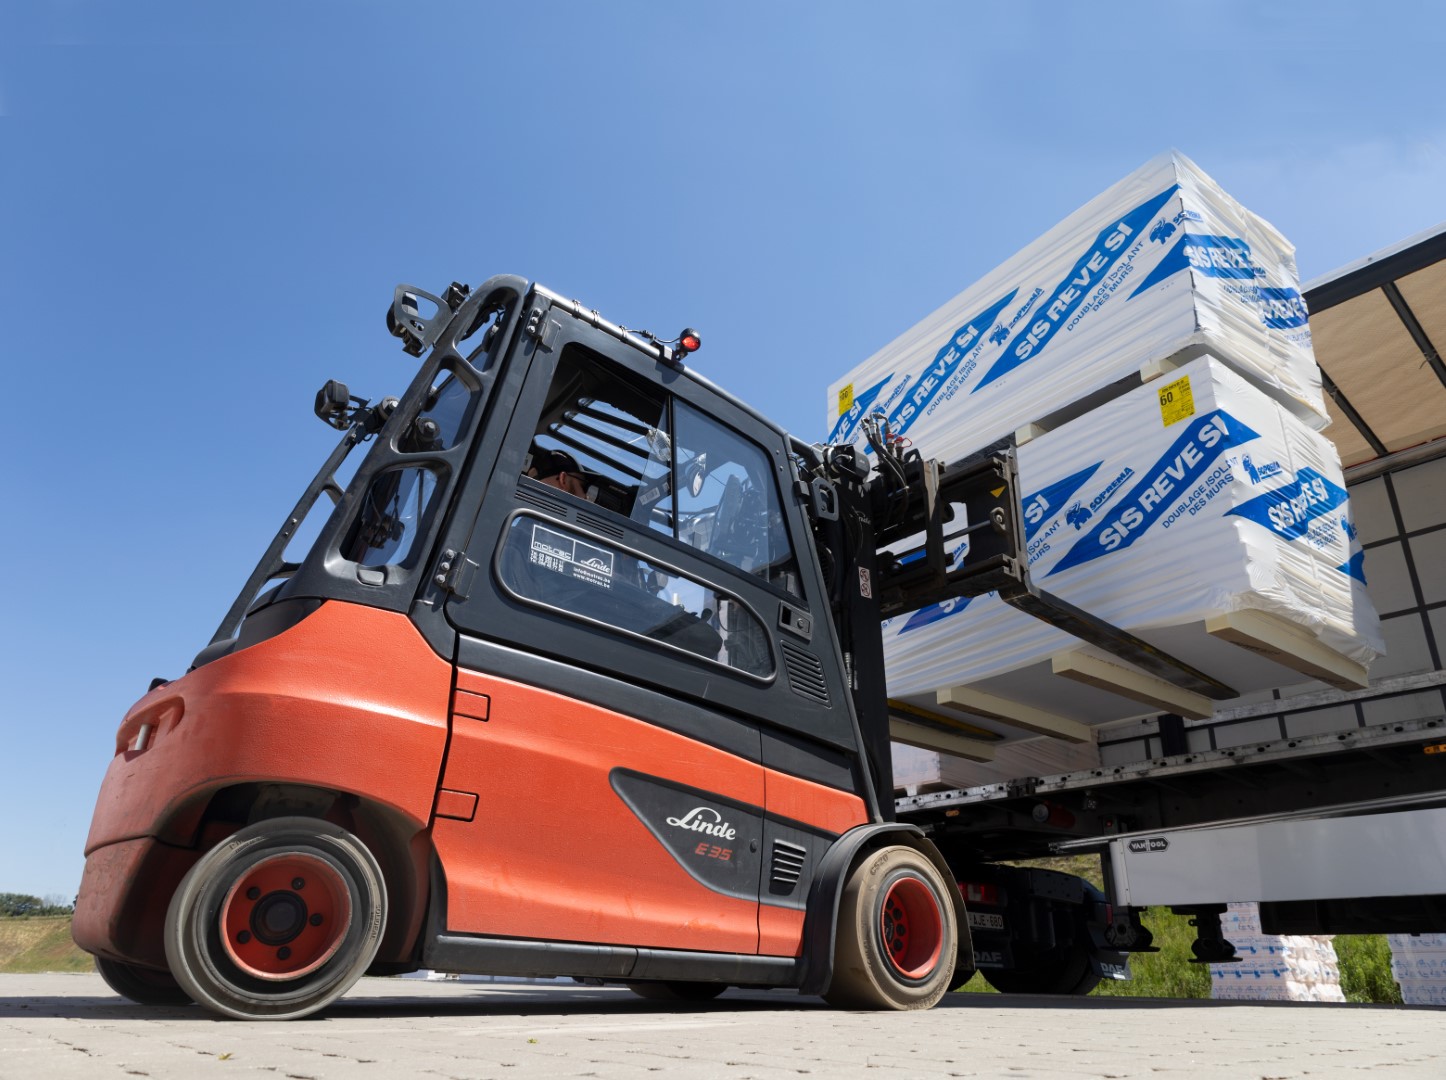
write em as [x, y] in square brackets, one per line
[992, 951]
[1109, 969]
[1040, 931]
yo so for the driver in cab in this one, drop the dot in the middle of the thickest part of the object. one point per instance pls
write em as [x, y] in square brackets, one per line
[559, 469]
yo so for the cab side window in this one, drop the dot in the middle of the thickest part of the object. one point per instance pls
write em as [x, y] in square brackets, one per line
[605, 426]
[727, 501]
[677, 475]
[666, 465]
[393, 513]
[592, 580]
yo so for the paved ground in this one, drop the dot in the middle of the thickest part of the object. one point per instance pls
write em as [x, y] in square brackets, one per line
[61, 1026]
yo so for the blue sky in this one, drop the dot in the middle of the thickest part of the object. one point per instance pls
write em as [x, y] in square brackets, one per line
[205, 208]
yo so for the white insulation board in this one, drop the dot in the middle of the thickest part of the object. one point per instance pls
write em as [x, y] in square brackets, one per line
[1162, 263]
[1188, 497]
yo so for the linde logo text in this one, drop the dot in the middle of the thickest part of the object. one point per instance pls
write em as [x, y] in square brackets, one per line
[705, 819]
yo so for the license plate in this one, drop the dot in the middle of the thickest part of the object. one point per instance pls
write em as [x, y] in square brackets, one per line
[985, 921]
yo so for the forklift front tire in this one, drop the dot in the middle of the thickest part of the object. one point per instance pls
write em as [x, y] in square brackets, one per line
[277, 921]
[897, 934]
[144, 986]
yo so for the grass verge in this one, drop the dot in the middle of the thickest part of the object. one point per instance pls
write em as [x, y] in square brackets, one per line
[35, 943]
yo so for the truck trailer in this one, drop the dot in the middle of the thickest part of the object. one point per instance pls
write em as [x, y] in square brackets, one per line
[577, 671]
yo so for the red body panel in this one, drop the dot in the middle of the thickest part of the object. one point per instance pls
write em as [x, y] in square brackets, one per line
[534, 841]
[553, 852]
[814, 804]
[121, 909]
[350, 699]
[780, 929]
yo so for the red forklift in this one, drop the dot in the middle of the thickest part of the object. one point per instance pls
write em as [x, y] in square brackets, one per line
[630, 728]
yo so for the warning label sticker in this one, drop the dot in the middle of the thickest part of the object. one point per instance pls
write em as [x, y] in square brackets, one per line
[846, 399]
[1176, 401]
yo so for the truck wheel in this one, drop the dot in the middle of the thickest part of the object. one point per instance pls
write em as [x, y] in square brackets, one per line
[277, 921]
[896, 935]
[677, 990]
[1065, 972]
[144, 986]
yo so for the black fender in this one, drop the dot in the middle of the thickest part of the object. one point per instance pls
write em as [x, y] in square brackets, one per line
[820, 928]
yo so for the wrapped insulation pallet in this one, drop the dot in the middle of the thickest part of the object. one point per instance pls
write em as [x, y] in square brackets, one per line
[1418, 962]
[1178, 511]
[1274, 967]
[1162, 264]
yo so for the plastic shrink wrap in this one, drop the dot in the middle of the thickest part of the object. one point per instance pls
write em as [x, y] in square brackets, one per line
[1188, 497]
[1273, 967]
[1162, 263]
[1418, 962]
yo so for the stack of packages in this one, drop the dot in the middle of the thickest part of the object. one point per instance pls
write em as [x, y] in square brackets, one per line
[1274, 967]
[1418, 962]
[1206, 491]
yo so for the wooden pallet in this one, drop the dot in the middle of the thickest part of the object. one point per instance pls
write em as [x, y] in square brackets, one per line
[943, 734]
[1289, 645]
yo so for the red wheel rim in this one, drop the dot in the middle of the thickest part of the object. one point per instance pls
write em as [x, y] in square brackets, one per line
[286, 916]
[911, 928]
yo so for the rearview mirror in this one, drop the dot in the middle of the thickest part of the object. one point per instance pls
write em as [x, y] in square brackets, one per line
[660, 447]
[695, 473]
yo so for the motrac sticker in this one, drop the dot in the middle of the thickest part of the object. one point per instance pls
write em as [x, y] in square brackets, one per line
[574, 558]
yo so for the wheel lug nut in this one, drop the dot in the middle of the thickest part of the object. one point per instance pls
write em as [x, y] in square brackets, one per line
[283, 953]
[244, 936]
[316, 919]
[253, 893]
[298, 883]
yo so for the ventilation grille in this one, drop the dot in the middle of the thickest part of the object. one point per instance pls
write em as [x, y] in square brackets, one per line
[788, 860]
[805, 673]
[598, 525]
[539, 499]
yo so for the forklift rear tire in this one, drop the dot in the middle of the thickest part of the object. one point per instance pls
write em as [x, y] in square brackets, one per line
[277, 921]
[897, 934]
[677, 990]
[144, 986]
